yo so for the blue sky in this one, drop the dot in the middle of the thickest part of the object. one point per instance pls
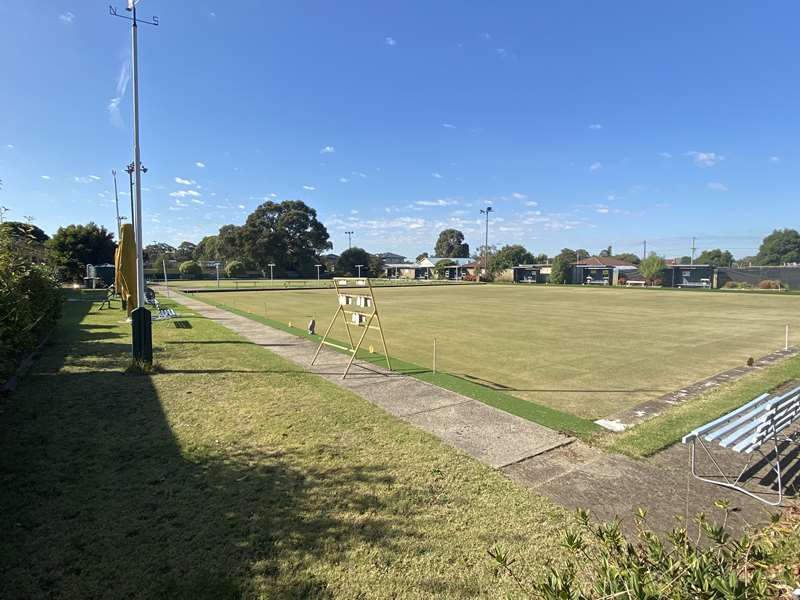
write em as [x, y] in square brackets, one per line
[582, 123]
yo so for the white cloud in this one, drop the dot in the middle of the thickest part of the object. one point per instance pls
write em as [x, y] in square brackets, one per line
[123, 78]
[531, 203]
[45, 177]
[196, 201]
[85, 179]
[360, 174]
[772, 159]
[705, 159]
[200, 164]
[185, 181]
[502, 52]
[212, 14]
[241, 206]
[328, 150]
[448, 126]
[180, 203]
[389, 41]
[603, 210]
[10, 146]
[717, 186]
[665, 155]
[354, 212]
[439, 202]
[436, 175]
[343, 180]
[310, 188]
[185, 193]
[595, 166]
[519, 196]
[67, 17]
[595, 126]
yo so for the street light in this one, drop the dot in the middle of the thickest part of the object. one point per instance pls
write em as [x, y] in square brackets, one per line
[318, 268]
[349, 235]
[486, 243]
[359, 270]
[130, 170]
[270, 265]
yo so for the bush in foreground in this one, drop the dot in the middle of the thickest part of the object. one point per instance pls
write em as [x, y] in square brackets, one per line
[714, 565]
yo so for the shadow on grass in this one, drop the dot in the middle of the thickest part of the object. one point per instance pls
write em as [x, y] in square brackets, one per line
[98, 498]
[505, 388]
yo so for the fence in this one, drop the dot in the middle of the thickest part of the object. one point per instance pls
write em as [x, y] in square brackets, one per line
[790, 276]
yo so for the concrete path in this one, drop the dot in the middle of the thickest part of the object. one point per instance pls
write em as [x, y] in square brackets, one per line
[554, 465]
[492, 436]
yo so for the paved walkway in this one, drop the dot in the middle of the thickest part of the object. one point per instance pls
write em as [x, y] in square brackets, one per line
[554, 465]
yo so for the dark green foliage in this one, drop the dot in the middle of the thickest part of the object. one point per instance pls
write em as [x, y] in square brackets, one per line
[190, 267]
[207, 249]
[510, 256]
[779, 247]
[346, 265]
[17, 229]
[235, 268]
[652, 268]
[440, 265]
[628, 257]
[714, 565]
[559, 272]
[75, 246]
[30, 303]
[185, 251]
[421, 256]
[451, 244]
[715, 258]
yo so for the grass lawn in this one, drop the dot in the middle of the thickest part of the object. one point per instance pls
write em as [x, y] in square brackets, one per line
[584, 351]
[234, 473]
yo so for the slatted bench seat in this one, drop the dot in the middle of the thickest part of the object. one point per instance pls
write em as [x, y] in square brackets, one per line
[761, 423]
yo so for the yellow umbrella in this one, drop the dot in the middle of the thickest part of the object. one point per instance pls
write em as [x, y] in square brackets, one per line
[127, 266]
[117, 277]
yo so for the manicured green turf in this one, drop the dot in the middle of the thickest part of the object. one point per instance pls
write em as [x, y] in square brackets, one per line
[585, 351]
[294, 283]
[235, 473]
[658, 433]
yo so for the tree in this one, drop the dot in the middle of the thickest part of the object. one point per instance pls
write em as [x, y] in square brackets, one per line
[559, 271]
[510, 256]
[451, 244]
[606, 253]
[24, 239]
[287, 234]
[628, 257]
[780, 247]
[541, 259]
[652, 268]
[346, 265]
[685, 260]
[17, 229]
[715, 258]
[152, 252]
[421, 256]
[235, 268]
[75, 246]
[185, 251]
[190, 267]
[230, 242]
[206, 250]
[439, 267]
[570, 256]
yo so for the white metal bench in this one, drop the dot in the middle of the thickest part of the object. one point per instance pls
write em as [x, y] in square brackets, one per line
[746, 430]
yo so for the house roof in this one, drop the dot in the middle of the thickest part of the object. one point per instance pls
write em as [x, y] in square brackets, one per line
[605, 261]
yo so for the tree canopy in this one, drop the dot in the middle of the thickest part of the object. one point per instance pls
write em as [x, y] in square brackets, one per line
[17, 229]
[185, 251]
[75, 246]
[559, 271]
[652, 267]
[715, 258]
[628, 257]
[346, 265]
[510, 256]
[451, 244]
[780, 247]
[206, 249]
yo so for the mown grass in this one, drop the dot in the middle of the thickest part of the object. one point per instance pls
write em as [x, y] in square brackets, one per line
[656, 434]
[234, 473]
[543, 415]
[584, 351]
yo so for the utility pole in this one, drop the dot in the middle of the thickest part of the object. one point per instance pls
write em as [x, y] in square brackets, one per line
[486, 242]
[349, 239]
[116, 203]
[693, 250]
[644, 251]
[140, 317]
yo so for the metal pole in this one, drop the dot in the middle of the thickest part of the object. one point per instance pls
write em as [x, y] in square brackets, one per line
[644, 253]
[217, 265]
[137, 164]
[693, 249]
[130, 195]
[116, 203]
[164, 264]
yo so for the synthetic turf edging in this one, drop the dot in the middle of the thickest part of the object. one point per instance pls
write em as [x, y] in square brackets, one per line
[543, 415]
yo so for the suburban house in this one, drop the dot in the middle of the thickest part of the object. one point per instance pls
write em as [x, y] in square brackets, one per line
[388, 258]
[533, 273]
[600, 270]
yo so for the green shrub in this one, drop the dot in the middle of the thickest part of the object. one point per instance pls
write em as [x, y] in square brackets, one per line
[235, 268]
[190, 267]
[602, 563]
[30, 303]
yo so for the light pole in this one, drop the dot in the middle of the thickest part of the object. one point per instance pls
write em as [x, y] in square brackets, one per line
[270, 265]
[349, 239]
[359, 270]
[116, 203]
[318, 268]
[140, 316]
[486, 243]
[130, 170]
